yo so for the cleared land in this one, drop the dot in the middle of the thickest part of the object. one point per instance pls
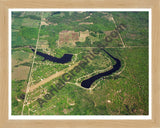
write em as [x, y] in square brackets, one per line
[20, 73]
[68, 37]
[57, 74]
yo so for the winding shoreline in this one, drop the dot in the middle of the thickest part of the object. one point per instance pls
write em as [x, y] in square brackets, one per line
[88, 82]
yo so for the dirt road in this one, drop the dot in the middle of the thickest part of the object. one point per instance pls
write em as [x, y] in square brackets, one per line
[33, 87]
[29, 80]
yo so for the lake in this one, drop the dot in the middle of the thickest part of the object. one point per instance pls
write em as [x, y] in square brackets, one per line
[64, 59]
[88, 82]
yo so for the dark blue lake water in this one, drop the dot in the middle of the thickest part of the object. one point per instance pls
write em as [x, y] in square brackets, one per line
[64, 59]
[88, 82]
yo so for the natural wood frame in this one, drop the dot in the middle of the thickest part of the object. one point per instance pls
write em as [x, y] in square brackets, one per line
[6, 4]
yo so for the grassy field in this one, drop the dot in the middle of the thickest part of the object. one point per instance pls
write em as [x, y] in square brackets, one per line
[24, 29]
[125, 95]
[18, 92]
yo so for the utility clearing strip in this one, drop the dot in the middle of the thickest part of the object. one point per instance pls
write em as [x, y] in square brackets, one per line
[29, 81]
[52, 77]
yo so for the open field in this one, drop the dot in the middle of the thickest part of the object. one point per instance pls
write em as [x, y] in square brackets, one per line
[20, 73]
[57, 74]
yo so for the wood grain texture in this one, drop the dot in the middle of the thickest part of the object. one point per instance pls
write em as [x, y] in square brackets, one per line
[6, 4]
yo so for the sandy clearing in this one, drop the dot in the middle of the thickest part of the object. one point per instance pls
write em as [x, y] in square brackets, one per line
[33, 87]
[14, 62]
[87, 17]
[83, 35]
[44, 23]
[20, 73]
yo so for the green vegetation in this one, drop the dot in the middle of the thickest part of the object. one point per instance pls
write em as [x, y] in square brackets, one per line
[16, 14]
[28, 33]
[125, 92]
[17, 96]
[125, 95]
[32, 17]
[20, 55]
[136, 32]
[24, 29]
[71, 21]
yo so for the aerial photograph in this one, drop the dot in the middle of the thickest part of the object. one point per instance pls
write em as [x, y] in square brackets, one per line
[79, 63]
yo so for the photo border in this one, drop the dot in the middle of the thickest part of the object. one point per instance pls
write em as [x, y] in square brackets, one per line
[83, 117]
[4, 114]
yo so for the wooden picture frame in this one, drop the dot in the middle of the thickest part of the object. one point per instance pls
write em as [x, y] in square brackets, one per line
[4, 61]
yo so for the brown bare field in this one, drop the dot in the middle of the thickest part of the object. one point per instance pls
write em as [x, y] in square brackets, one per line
[20, 73]
[83, 35]
[14, 62]
[17, 62]
[68, 37]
